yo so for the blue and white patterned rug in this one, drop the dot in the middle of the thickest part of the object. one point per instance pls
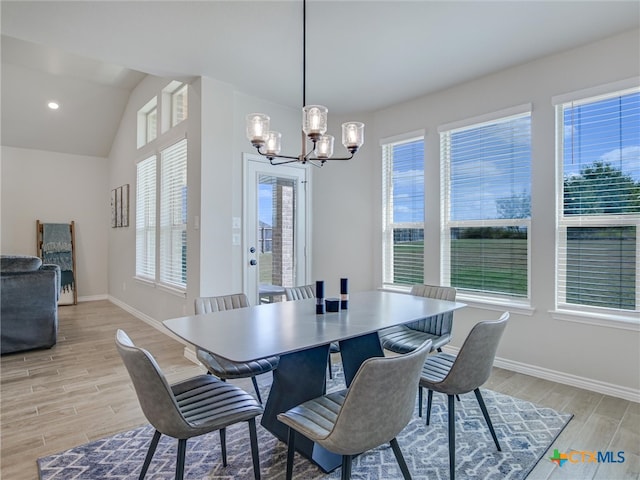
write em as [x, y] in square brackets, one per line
[525, 432]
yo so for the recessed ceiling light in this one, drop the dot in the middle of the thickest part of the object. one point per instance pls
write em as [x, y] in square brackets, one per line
[53, 105]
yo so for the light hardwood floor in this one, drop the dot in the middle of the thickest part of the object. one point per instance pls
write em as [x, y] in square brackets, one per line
[79, 391]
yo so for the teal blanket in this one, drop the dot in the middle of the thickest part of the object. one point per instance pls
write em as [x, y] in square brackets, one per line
[56, 249]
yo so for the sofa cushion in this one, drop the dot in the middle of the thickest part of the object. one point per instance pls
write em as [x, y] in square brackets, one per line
[19, 263]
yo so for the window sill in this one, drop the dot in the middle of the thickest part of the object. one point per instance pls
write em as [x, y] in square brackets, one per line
[496, 304]
[485, 303]
[623, 322]
[164, 288]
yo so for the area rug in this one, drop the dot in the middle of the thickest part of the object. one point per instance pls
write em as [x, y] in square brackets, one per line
[525, 432]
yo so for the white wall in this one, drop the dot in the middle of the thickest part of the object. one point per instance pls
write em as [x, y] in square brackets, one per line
[58, 188]
[216, 134]
[347, 212]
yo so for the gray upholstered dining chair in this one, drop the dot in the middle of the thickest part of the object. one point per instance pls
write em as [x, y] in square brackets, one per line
[405, 338]
[299, 293]
[466, 372]
[375, 408]
[223, 368]
[186, 409]
[307, 291]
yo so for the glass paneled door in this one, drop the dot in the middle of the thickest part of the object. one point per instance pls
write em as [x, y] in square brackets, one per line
[275, 226]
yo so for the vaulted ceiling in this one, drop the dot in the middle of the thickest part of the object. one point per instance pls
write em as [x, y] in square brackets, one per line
[361, 55]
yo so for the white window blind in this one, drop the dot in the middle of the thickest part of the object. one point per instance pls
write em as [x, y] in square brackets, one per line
[486, 198]
[179, 105]
[403, 212]
[599, 205]
[152, 125]
[173, 215]
[146, 218]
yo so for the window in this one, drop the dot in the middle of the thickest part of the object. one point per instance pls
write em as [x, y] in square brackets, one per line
[173, 215]
[599, 204]
[146, 218]
[179, 106]
[403, 212]
[486, 199]
[161, 220]
[148, 123]
[152, 124]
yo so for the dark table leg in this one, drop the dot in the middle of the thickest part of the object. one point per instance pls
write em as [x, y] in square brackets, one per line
[356, 350]
[300, 376]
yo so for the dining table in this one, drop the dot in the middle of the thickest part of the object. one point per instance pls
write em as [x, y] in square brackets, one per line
[301, 338]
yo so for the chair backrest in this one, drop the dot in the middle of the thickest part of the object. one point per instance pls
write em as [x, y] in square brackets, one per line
[438, 324]
[474, 361]
[154, 392]
[379, 403]
[299, 293]
[220, 303]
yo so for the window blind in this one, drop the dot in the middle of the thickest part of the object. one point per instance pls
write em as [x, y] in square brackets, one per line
[146, 218]
[403, 212]
[486, 203]
[173, 215]
[599, 206]
[179, 105]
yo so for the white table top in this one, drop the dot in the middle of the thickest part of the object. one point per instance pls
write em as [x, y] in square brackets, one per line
[260, 331]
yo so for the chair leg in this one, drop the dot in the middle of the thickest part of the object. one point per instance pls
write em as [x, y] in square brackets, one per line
[182, 450]
[483, 407]
[400, 459]
[419, 401]
[452, 437]
[290, 453]
[150, 452]
[346, 467]
[253, 436]
[330, 367]
[223, 445]
[255, 386]
[429, 402]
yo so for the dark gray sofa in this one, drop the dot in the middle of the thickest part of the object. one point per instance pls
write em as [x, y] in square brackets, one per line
[29, 314]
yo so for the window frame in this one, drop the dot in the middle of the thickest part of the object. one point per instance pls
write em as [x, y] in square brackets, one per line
[574, 312]
[484, 299]
[166, 139]
[388, 228]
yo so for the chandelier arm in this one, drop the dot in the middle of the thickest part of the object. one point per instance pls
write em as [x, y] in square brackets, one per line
[339, 158]
[307, 156]
[272, 158]
[293, 159]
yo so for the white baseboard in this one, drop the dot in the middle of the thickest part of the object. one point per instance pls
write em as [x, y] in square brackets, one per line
[597, 386]
[190, 354]
[157, 324]
[93, 298]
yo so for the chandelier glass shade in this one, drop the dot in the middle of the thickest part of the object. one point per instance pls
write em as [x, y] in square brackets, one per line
[314, 129]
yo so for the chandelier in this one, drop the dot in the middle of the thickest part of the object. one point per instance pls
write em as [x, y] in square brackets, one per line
[314, 127]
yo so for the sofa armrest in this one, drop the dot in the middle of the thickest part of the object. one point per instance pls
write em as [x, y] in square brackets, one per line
[58, 272]
[29, 310]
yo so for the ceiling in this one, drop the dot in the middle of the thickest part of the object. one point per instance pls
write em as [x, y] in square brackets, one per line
[361, 55]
